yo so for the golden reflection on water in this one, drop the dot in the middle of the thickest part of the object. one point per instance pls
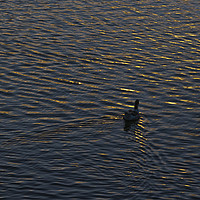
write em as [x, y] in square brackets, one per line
[171, 102]
[139, 135]
[136, 129]
[6, 91]
[136, 50]
[129, 90]
[6, 112]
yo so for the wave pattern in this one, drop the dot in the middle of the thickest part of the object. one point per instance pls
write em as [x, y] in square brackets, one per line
[68, 71]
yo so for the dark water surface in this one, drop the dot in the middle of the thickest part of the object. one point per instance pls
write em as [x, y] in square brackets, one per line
[69, 70]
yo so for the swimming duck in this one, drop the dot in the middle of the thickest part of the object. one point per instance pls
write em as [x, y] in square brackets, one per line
[132, 115]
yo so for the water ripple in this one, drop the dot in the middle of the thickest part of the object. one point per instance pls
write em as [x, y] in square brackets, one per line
[69, 70]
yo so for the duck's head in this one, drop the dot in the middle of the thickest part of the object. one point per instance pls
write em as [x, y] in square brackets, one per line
[136, 103]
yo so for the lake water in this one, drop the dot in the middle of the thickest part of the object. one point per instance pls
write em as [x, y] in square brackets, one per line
[68, 72]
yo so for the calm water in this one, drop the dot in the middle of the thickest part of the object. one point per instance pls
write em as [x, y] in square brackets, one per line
[69, 70]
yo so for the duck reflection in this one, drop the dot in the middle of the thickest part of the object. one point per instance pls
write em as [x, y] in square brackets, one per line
[129, 124]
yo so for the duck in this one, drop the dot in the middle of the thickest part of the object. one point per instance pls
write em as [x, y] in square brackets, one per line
[132, 115]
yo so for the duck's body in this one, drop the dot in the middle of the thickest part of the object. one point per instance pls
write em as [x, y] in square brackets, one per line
[132, 115]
